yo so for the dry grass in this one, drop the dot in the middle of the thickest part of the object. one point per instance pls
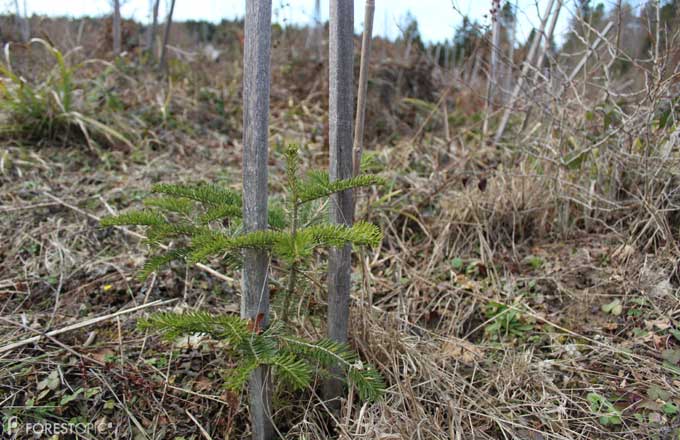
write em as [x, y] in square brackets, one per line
[569, 214]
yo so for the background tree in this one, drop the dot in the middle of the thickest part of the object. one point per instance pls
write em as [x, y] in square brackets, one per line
[492, 79]
[255, 295]
[22, 21]
[166, 37]
[340, 111]
[151, 33]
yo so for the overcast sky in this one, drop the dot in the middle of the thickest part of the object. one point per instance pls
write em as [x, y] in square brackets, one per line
[437, 19]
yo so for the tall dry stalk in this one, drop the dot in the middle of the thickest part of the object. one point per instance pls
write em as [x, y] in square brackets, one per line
[255, 296]
[166, 37]
[363, 84]
[340, 111]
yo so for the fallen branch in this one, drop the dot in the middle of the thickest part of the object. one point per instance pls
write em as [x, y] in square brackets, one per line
[82, 324]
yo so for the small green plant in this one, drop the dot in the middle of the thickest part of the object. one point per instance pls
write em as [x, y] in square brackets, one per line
[204, 221]
[50, 109]
[606, 412]
[505, 322]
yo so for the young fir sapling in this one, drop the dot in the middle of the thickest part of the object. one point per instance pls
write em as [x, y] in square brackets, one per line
[204, 220]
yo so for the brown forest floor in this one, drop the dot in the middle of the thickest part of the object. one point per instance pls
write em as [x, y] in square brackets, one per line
[487, 316]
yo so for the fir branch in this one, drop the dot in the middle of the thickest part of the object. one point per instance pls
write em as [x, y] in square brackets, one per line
[157, 261]
[220, 212]
[212, 243]
[160, 232]
[180, 206]
[367, 380]
[292, 169]
[327, 352]
[236, 378]
[292, 370]
[232, 329]
[259, 347]
[277, 217]
[207, 194]
[131, 218]
[318, 185]
[361, 233]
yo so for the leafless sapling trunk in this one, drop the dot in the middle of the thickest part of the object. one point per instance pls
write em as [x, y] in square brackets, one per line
[166, 37]
[151, 34]
[255, 296]
[341, 103]
[548, 38]
[116, 27]
[492, 79]
[315, 36]
[525, 70]
[509, 66]
[22, 21]
[363, 84]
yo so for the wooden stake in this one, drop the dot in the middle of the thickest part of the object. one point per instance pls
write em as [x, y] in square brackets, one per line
[363, 85]
[341, 106]
[255, 297]
[116, 27]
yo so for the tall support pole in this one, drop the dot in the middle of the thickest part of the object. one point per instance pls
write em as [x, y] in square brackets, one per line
[255, 296]
[116, 27]
[363, 84]
[340, 112]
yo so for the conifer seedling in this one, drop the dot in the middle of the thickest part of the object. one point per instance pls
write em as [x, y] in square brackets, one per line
[204, 221]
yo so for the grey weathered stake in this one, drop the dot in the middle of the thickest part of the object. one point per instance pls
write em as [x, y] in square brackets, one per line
[255, 297]
[363, 84]
[116, 27]
[340, 112]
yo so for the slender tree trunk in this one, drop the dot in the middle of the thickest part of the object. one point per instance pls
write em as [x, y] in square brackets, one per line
[116, 27]
[315, 36]
[525, 70]
[255, 296]
[166, 37]
[363, 84]
[509, 70]
[548, 37]
[341, 105]
[151, 35]
[492, 79]
[22, 21]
